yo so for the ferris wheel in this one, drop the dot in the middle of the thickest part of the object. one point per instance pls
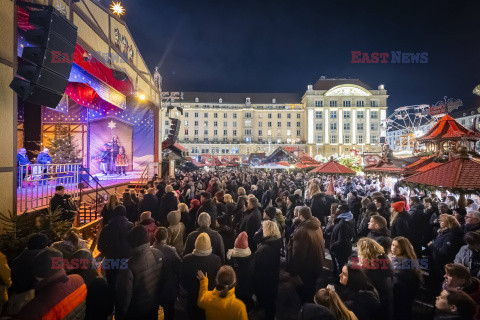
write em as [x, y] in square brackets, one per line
[409, 119]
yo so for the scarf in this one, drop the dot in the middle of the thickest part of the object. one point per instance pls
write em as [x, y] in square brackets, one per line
[198, 252]
[347, 216]
[238, 253]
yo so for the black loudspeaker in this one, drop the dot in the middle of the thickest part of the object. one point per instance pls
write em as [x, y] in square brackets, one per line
[119, 75]
[174, 129]
[44, 69]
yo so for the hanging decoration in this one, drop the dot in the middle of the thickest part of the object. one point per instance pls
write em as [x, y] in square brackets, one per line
[117, 8]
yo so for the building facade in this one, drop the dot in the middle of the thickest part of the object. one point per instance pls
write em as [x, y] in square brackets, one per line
[334, 116]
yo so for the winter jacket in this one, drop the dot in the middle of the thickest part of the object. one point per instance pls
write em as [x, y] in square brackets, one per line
[381, 278]
[191, 263]
[406, 283]
[167, 204]
[209, 207]
[266, 267]
[148, 203]
[5, 278]
[220, 308]
[365, 304]
[57, 297]
[107, 215]
[244, 287]
[44, 158]
[22, 160]
[446, 245]
[355, 206]
[382, 236]
[67, 248]
[151, 227]
[137, 287]
[464, 257]
[22, 271]
[418, 224]
[400, 226]
[216, 240]
[228, 236]
[132, 212]
[441, 315]
[176, 231]
[250, 224]
[112, 241]
[341, 239]
[320, 207]
[170, 273]
[307, 249]
[362, 226]
[312, 311]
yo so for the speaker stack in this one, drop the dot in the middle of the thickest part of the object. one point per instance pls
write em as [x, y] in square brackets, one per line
[44, 69]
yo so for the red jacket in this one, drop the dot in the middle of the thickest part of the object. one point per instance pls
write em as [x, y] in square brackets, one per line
[57, 297]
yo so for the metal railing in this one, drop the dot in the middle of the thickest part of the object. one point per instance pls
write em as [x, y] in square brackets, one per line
[89, 208]
[147, 175]
[37, 182]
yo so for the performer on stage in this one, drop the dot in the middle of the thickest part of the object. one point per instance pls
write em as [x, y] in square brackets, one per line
[115, 151]
[104, 159]
[22, 160]
[121, 161]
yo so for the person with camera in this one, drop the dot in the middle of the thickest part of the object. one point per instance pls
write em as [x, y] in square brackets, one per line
[62, 201]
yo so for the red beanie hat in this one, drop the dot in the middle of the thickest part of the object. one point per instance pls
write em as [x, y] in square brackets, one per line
[398, 206]
[242, 241]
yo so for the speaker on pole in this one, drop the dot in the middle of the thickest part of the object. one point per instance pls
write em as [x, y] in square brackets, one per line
[44, 69]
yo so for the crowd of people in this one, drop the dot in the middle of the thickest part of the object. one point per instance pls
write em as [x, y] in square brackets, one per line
[214, 244]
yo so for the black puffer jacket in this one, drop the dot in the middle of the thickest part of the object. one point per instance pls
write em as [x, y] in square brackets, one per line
[400, 226]
[250, 224]
[244, 272]
[266, 267]
[137, 289]
[170, 272]
[218, 247]
[166, 204]
[320, 207]
[341, 239]
[446, 245]
[112, 241]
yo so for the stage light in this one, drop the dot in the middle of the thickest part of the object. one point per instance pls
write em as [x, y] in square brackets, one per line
[142, 97]
[117, 8]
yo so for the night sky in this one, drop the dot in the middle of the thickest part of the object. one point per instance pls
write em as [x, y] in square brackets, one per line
[282, 46]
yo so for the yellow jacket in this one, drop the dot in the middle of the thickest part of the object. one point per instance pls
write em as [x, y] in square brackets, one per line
[5, 278]
[217, 308]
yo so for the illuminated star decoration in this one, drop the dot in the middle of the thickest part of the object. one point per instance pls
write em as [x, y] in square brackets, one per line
[117, 8]
[112, 125]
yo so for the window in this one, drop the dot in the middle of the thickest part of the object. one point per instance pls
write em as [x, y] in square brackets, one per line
[167, 123]
[248, 123]
[196, 132]
[269, 124]
[374, 126]
[248, 115]
[279, 124]
[318, 126]
[269, 132]
[346, 103]
[205, 132]
[289, 124]
[346, 126]
[298, 132]
[215, 132]
[248, 140]
[319, 139]
[196, 115]
[186, 123]
[298, 115]
[298, 124]
[260, 124]
[215, 123]
[205, 115]
[360, 126]
[215, 115]
[374, 103]
[234, 116]
[234, 132]
[333, 114]
[167, 132]
[289, 115]
[186, 132]
[289, 133]
[333, 138]
[205, 123]
[374, 139]
[248, 132]
[269, 116]
[346, 114]
[346, 138]
[186, 114]
[234, 124]
[196, 123]
[360, 138]
[260, 132]
[224, 123]
[333, 126]
[359, 114]
[224, 116]
[318, 103]
[279, 116]
[333, 103]
[224, 132]
[360, 103]
[318, 114]
[374, 115]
